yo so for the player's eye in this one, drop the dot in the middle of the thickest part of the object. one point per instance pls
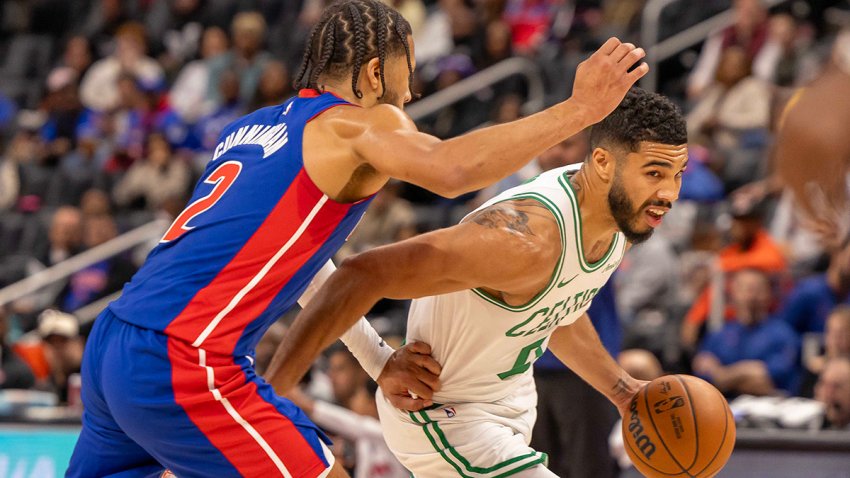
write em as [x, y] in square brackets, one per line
[654, 174]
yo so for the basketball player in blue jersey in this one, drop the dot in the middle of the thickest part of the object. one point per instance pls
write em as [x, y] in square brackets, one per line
[168, 376]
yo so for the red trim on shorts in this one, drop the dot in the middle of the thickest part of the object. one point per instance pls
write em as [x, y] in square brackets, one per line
[235, 442]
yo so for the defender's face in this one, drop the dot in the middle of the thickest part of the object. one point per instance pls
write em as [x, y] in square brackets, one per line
[645, 186]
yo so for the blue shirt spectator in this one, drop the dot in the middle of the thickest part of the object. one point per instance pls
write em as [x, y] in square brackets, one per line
[810, 302]
[756, 353]
[770, 341]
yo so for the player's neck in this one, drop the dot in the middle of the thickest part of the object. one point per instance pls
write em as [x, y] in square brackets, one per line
[597, 223]
[343, 91]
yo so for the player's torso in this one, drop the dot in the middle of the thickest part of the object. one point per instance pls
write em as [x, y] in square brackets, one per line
[254, 234]
[487, 347]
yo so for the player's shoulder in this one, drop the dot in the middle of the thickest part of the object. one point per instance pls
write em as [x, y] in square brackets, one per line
[378, 117]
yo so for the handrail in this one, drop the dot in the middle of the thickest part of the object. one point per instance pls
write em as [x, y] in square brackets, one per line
[88, 313]
[658, 51]
[469, 86]
[128, 240]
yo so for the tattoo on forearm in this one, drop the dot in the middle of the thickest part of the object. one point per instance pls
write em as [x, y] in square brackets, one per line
[496, 217]
[621, 389]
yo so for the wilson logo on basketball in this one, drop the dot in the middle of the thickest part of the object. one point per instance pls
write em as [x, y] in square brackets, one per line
[668, 404]
[636, 429]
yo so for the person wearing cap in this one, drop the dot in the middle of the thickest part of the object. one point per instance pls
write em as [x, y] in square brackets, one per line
[53, 351]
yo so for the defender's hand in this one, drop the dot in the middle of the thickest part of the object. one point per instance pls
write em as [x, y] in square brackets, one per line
[603, 79]
[410, 369]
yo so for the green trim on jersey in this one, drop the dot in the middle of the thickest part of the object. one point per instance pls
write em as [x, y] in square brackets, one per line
[548, 204]
[568, 187]
[462, 465]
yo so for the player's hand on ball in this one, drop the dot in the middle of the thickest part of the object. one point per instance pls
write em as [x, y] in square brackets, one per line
[410, 370]
[624, 399]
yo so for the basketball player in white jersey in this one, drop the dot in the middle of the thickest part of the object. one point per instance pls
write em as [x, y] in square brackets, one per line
[513, 278]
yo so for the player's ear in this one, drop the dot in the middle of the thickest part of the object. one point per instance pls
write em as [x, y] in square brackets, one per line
[372, 70]
[603, 163]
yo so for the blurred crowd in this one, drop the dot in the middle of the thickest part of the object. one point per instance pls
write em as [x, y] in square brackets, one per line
[110, 109]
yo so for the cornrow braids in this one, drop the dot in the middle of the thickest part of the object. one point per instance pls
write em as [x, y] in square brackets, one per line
[350, 33]
[402, 36]
[359, 47]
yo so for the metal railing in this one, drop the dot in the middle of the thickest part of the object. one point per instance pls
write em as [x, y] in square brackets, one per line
[126, 241]
[489, 76]
[658, 51]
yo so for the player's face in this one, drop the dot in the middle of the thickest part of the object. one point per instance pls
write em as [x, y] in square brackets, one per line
[645, 186]
[397, 77]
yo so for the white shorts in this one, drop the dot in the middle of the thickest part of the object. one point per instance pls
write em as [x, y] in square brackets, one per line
[469, 440]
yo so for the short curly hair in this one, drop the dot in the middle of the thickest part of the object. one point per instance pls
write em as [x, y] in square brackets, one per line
[641, 116]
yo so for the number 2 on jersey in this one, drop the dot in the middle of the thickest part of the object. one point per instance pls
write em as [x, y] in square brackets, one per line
[222, 178]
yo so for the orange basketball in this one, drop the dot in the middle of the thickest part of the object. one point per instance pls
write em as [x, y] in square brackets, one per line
[679, 426]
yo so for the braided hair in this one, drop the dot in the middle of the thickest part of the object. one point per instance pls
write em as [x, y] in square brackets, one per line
[350, 33]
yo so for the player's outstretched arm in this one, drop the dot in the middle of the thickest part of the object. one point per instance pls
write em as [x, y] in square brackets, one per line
[578, 346]
[393, 146]
[813, 153]
[511, 247]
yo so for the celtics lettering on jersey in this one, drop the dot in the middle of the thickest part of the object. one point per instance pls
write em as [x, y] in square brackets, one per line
[546, 318]
[488, 347]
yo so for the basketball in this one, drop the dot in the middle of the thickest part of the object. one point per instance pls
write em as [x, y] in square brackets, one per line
[679, 426]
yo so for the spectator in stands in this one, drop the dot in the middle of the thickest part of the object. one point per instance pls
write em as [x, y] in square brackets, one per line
[836, 343]
[105, 19]
[101, 278]
[175, 29]
[736, 103]
[389, 219]
[751, 247]
[354, 419]
[189, 95]
[128, 120]
[35, 163]
[246, 58]
[209, 127]
[95, 202]
[79, 171]
[99, 89]
[14, 372]
[755, 353]
[77, 57]
[812, 299]
[62, 350]
[150, 181]
[64, 237]
[833, 390]
[9, 183]
[749, 32]
[530, 21]
[275, 86]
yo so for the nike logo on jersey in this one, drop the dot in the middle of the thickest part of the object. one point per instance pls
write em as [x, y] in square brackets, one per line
[288, 107]
[562, 284]
[382, 343]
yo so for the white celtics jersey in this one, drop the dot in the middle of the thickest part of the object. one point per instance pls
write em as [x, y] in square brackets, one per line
[486, 347]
